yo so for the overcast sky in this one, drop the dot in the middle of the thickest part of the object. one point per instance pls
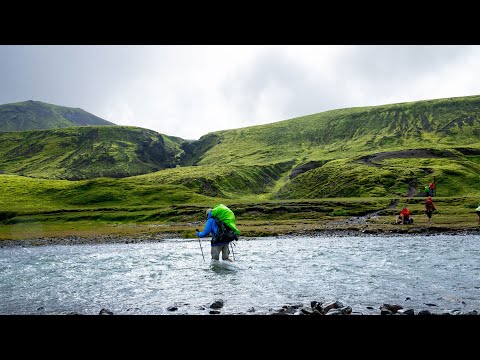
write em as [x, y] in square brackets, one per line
[189, 91]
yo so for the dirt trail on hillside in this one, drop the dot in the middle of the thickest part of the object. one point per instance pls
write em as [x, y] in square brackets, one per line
[376, 159]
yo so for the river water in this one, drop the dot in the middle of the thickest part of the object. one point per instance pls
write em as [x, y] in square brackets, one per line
[438, 273]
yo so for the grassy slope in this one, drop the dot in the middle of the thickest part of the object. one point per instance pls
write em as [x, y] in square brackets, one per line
[37, 115]
[86, 152]
[342, 136]
[334, 140]
[347, 133]
[250, 168]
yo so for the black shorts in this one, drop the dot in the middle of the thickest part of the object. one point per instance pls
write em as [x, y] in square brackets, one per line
[429, 213]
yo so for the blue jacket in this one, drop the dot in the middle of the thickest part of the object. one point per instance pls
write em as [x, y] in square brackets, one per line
[210, 227]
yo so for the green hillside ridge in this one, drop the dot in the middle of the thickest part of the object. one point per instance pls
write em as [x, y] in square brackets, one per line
[343, 133]
[86, 152]
[296, 175]
[376, 151]
[37, 115]
[327, 149]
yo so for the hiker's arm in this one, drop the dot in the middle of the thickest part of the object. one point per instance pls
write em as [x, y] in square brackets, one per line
[207, 230]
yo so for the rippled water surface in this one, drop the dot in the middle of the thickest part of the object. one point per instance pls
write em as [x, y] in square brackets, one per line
[148, 278]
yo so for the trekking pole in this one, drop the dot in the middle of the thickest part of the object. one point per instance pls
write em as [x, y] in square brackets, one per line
[200, 243]
[233, 254]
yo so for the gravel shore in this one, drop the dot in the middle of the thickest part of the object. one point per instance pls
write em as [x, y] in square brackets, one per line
[142, 238]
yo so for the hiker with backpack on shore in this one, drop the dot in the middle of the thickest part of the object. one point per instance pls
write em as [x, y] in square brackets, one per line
[429, 208]
[221, 225]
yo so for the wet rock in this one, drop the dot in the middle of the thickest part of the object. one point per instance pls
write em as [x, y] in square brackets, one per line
[430, 304]
[217, 304]
[473, 312]
[105, 312]
[453, 312]
[172, 308]
[346, 310]
[326, 307]
[214, 312]
[334, 312]
[295, 306]
[251, 310]
[286, 310]
[392, 307]
[314, 304]
[424, 312]
[406, 312]
[307, 311]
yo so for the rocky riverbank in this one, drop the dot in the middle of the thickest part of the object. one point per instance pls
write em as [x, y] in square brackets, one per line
[329, 307]
[146, 238]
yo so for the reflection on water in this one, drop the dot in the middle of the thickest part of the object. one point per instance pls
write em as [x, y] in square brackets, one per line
[150, 278]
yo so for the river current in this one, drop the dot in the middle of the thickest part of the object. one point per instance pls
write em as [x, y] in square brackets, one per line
[438, 273]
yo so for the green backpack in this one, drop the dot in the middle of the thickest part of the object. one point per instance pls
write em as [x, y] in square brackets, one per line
[225, 220]
[223, 213]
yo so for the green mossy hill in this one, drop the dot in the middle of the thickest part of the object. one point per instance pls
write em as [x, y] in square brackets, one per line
[86, 152]
[37, 115]
[224, 181]
[389, 150]
[346, 133]
[369, 151]
[26, 196]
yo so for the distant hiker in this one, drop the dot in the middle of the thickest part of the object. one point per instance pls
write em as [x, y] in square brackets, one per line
[221, 224]
[429, 208]
[431, 186]
[405, 216]
[478, 213]
[427, 190]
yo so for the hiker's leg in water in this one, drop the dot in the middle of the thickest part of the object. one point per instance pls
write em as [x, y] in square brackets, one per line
[215, 252]
[226, 252]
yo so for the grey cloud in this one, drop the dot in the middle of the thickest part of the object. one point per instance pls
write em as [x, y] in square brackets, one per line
[372, 72]
[71, 75]
[273, 68]
[378, 66]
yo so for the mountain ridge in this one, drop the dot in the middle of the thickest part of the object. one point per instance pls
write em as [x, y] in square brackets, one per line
[38, 115]
[313, 156]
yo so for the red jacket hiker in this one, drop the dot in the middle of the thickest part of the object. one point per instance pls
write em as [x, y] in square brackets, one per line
[404, 216]
[429, 208]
